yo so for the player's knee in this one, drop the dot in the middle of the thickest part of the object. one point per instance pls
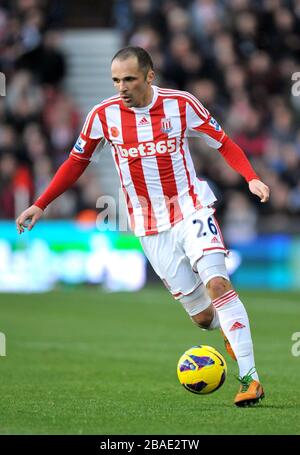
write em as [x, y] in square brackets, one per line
[217, 286]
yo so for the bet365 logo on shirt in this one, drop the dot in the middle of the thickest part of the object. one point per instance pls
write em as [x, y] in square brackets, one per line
[148, 148]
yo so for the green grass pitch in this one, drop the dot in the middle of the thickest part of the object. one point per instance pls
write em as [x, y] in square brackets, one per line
[81, 361]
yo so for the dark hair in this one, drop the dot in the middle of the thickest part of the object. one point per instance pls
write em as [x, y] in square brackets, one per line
[144, 60]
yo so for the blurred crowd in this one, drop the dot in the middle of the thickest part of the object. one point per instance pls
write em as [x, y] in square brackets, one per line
[236, 56]
[39, 121]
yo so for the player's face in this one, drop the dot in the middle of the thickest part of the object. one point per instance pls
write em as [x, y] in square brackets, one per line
[131, 82]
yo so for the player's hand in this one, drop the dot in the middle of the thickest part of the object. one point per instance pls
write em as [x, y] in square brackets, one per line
[261, 190]
[28, 218]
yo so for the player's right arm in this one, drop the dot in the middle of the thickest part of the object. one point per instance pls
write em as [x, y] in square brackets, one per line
[65, 177]
[68, 173]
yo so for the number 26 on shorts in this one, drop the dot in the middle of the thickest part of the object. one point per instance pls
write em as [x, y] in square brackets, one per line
[210, 223]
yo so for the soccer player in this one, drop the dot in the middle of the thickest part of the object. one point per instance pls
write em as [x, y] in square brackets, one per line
[169, 208]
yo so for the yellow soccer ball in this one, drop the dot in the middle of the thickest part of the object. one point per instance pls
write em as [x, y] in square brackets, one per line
[202, 369]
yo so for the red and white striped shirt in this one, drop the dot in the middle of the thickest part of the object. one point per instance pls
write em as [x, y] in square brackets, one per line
[151, 154]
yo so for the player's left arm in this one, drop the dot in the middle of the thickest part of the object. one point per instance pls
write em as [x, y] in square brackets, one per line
[201, 123]
[238, 161]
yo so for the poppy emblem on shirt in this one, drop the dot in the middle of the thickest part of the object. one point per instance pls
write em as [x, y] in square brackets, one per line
[114, 131]
[166, 125]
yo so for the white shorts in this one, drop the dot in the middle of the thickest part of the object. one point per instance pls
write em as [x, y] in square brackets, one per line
[174, 253]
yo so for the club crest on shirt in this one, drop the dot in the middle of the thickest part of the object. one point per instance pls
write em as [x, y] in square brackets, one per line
[79, 146]
[166, 125]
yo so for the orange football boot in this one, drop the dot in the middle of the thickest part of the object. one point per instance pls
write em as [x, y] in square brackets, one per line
[250, 393]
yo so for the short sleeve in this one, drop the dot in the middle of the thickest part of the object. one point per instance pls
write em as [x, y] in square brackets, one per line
[200, 123]
[91, 138]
